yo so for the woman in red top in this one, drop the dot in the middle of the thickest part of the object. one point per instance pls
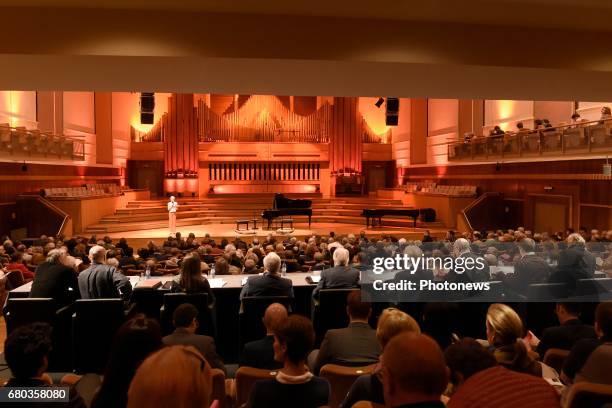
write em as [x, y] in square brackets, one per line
[17, 263]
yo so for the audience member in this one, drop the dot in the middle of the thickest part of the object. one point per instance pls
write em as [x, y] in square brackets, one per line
[270, 283]
[101, 281]
[294, 385]
[175, 376]
[191, 279]
[414, 373]
[17, 264]
[341, 276]
[55, 280]
[354, 345]
[369, 387]
[477, 381]
[440, 322]
[185, 320]
[530, 268]
[570, 330]
[26, 351]
[133, 342]
[575, 262]
[590, 359]
[260, 353]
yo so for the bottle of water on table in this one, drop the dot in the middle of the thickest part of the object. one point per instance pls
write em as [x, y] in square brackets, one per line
[284, 269]
[212, 272]
[148, 272]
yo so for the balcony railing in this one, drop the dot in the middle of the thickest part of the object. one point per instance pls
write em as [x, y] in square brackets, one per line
[585, 137]
[19, 141]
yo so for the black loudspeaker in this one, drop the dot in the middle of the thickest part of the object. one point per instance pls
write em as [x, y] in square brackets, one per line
[146, 118]
[392, 111]
[147, 107]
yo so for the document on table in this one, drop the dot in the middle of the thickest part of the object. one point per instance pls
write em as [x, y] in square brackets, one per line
[217, 283]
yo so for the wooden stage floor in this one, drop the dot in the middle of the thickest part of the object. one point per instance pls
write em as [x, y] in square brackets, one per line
[219, 231]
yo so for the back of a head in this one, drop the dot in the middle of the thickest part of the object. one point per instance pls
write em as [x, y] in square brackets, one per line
[184, 314]
[97, 253]
[274, 316]
[297, 333]
[272, 262]
[221, 266]
[461, 245]
[527, 245]
[393, 322]
[603, 320]
[25, 350]
[505, 324]
[356, 306]
[341, 256]
[413, 364]
[175, 376]
[466, 358]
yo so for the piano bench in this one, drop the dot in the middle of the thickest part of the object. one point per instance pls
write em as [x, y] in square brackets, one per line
[242, 222]
[284, 221]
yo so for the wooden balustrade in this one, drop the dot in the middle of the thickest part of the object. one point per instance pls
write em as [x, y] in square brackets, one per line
[585, 137]
[264, 171]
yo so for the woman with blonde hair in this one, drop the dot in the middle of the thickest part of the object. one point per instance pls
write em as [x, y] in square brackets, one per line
[369, 387]
[505, 332]
[175, 376]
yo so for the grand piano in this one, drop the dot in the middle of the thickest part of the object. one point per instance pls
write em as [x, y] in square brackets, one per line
[427, 214]
[284, 206]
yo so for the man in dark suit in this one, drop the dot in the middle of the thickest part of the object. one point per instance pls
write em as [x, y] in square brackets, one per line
[270, 283]
[531, 268]
[341, 276]
[571, 329]
[53, 279]
[468, 266]
[185, 320]
[260, 353]
[101, 281]
[575, 262]
[352, 345]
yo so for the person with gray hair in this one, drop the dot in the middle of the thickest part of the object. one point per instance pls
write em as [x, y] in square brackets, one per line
[468, 266]
[53, 279]
[531, 268]
[100, 280]
[341, 276]
[271, 283]
[575, 262]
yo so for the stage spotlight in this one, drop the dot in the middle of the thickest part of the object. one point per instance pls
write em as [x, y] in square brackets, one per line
[379, 102]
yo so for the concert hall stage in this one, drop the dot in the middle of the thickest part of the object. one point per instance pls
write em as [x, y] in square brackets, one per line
[145, 220]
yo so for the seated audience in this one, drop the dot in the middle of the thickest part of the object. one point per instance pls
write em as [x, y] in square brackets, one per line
[477, 381]
[354, 345]
[369, 387]
[575, 262]
[191, 280]
[319, 262]
[260, 353]
[26, 351]
[17, 264]
[413, 372]
[570, 330]
[531, 268]
[505, 334]
[133, 342]
[128, 258]
[53, 279]
[294, 385]
[414, 252]
[250, 267]
[341, 276]
[185, 320]
[271, 283]
[175, 376]
[590, 359]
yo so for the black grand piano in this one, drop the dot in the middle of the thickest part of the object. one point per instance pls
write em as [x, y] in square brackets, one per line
[427, 214]
[284, 206]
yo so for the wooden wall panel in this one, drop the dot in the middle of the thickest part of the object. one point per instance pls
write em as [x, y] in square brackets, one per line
[418, 131]
[103, 107]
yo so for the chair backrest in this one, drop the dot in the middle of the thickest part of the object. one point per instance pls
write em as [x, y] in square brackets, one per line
[245, 378]
[218, 387]
[585, 287]
[148, 301]
[367, 404]
[253, 310]
[94, 324]
[199, 300]
[14, 279]
[22, 311]
[331, 312]
[584, 394]
[555, 358]
[341, 379]
[547, 291]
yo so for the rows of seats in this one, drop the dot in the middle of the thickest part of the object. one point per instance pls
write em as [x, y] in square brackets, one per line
[84, 191]
[32, 142]
[451, 190]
